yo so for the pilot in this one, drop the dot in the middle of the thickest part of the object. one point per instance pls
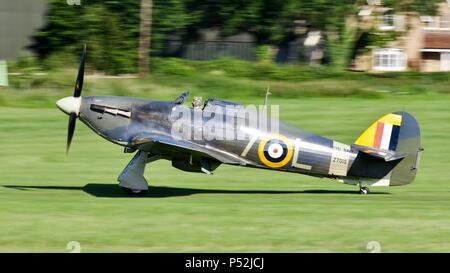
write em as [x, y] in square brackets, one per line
[197, 103]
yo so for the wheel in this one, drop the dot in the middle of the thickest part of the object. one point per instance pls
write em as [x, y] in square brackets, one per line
[364, 190]
[135, 193]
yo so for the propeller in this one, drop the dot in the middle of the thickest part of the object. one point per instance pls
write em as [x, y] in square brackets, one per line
[80, 76]
[70, 131]
[71, 105]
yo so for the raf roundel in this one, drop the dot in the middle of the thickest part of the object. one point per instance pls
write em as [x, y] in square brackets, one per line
[275, 151]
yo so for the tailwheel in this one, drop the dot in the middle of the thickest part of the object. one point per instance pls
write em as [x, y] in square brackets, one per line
[134, 192]
[364, 190]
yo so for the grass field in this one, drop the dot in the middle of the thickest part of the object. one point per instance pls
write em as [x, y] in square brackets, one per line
[47, 201]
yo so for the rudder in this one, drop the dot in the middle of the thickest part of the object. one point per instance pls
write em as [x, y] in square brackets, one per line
[409, 143]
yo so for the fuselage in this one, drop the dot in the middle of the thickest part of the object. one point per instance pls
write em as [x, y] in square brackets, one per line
[120, 119]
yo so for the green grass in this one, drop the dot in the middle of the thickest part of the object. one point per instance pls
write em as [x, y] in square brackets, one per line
[35, 86]
[47, 201]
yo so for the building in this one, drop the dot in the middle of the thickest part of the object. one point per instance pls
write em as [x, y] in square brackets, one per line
[305, 46]
[212, 44]
[413, 42]
[435, 52]
[18, 22]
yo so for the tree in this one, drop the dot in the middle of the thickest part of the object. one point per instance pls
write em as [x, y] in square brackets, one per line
[121, 34]
[145, 37]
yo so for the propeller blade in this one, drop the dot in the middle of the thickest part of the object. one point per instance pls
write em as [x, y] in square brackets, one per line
[80, 76]
[70, 130]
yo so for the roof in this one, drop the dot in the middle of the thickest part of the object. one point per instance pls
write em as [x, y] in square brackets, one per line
[436, 40]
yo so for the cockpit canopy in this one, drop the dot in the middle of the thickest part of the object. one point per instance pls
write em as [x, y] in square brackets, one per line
[212, 103]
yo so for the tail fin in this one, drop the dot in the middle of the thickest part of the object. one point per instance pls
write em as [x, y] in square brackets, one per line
[382, 134]
[398, 132]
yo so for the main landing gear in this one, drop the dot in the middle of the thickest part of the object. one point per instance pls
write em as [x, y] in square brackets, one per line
[132, 178]
[364, 190]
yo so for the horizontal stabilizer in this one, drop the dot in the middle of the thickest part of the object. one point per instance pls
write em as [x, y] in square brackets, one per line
[387, 155]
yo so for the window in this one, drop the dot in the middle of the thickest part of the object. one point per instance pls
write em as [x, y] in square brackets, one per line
[445, 21]
[428, 21]
[389, 59]
[388, 21]
[436, 22]
[445, 61]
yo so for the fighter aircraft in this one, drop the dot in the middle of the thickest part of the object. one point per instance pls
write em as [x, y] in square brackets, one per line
[385, 154]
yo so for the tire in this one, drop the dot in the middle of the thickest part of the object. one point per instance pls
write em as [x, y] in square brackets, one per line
[364, 191]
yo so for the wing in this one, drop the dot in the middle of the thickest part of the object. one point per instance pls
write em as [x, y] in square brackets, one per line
[143, 140]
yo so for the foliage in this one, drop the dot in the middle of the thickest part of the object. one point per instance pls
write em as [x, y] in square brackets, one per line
[111, 28]
[264, 54]
[379, 39]
[340, 44]
[32, 86]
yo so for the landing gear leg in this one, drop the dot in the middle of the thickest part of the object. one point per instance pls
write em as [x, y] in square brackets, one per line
[132, 177]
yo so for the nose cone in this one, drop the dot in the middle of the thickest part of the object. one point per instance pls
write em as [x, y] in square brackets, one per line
[69, 105]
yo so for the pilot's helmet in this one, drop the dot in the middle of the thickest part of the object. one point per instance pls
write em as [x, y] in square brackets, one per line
[197, 103]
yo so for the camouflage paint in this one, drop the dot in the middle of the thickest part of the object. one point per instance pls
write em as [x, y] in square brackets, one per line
[146, 125]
